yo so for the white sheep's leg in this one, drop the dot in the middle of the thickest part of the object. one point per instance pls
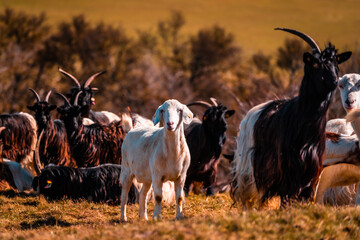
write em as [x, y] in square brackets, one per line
[126, 181]
[143, 201]
[157, 186]
[179, 197]
[335, 176]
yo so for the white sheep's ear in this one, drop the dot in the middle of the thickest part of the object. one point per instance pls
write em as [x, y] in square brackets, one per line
[157, 116]
[187, 115]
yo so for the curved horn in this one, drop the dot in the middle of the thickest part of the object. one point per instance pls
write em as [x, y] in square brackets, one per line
[213, 100]
[48, 95]
[200, 103]
[90, 79]
[64, 98]
[36, 95]
[305, 37]
[77, 98]
[36, 160]
[70, 76]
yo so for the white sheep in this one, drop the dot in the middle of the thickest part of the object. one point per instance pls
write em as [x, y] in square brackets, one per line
[154, 155]
[349, 86]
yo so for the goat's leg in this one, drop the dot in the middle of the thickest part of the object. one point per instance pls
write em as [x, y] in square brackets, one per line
[334, 176]
[143, 199]
[157, 186]
[209, 181]
[126, 181]
[179, 185]
[187, 185]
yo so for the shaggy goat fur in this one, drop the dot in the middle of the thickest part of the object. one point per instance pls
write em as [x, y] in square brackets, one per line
[94, 144]
[97, 184]
[54, 147]
[281, 143]
[205, 141]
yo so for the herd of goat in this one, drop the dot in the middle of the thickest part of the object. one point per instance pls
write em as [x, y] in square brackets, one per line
[285, 148]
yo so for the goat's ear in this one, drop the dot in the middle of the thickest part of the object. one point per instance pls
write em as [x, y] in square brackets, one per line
[342, 57]
[309, 59]
[229, 113]
[32, 108]
[52, 107]
[187, 115]
[157, 116]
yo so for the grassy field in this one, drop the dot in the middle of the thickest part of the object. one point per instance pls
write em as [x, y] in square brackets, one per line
[207, 218]
[252, 22]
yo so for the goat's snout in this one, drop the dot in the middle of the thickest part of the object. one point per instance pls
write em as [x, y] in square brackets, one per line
[349, 103]
[170, 125]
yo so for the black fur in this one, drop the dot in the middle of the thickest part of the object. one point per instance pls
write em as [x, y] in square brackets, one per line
[290, 134]
[205, 141]
[97, 184]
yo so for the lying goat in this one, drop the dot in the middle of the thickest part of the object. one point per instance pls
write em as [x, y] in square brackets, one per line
[97, 184]
[154, 155]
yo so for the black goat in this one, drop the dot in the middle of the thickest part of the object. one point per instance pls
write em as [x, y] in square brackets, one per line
[97, 184]
[281, 143]
[86, 99]
[205, 141]
[94, 144]
[54, 147]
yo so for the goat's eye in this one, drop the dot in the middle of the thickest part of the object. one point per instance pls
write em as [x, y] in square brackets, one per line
[161, 110]
[341, 86]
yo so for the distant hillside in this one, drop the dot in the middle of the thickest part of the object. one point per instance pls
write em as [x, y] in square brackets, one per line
[252, 22]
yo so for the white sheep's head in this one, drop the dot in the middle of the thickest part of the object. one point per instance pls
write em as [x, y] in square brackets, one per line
[172, 113]
[349, 86]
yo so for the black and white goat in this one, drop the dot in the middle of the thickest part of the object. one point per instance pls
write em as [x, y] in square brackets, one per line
[96, 184]
[94, 144]
[54, 146]
[205, 141]
[86, 99]
[281, 143]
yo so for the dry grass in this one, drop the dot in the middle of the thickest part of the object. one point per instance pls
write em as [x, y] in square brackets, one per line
[252, 22]
[207, 218]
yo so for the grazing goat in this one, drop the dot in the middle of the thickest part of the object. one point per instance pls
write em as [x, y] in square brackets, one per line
[344, 164]
[19, 138]
[349, 86]
[94, 144]
[97, 184]
[54, 146]
[154, 155]
[13, 174]
[86, 99]
[205, 141]
[281, 143]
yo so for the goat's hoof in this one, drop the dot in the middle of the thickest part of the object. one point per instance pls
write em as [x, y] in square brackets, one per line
[157, 218]
[210, 192]
[144, 217]
[180, 216]
[123, 219]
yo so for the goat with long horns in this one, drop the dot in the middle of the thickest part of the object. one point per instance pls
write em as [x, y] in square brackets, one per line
[281, 143]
